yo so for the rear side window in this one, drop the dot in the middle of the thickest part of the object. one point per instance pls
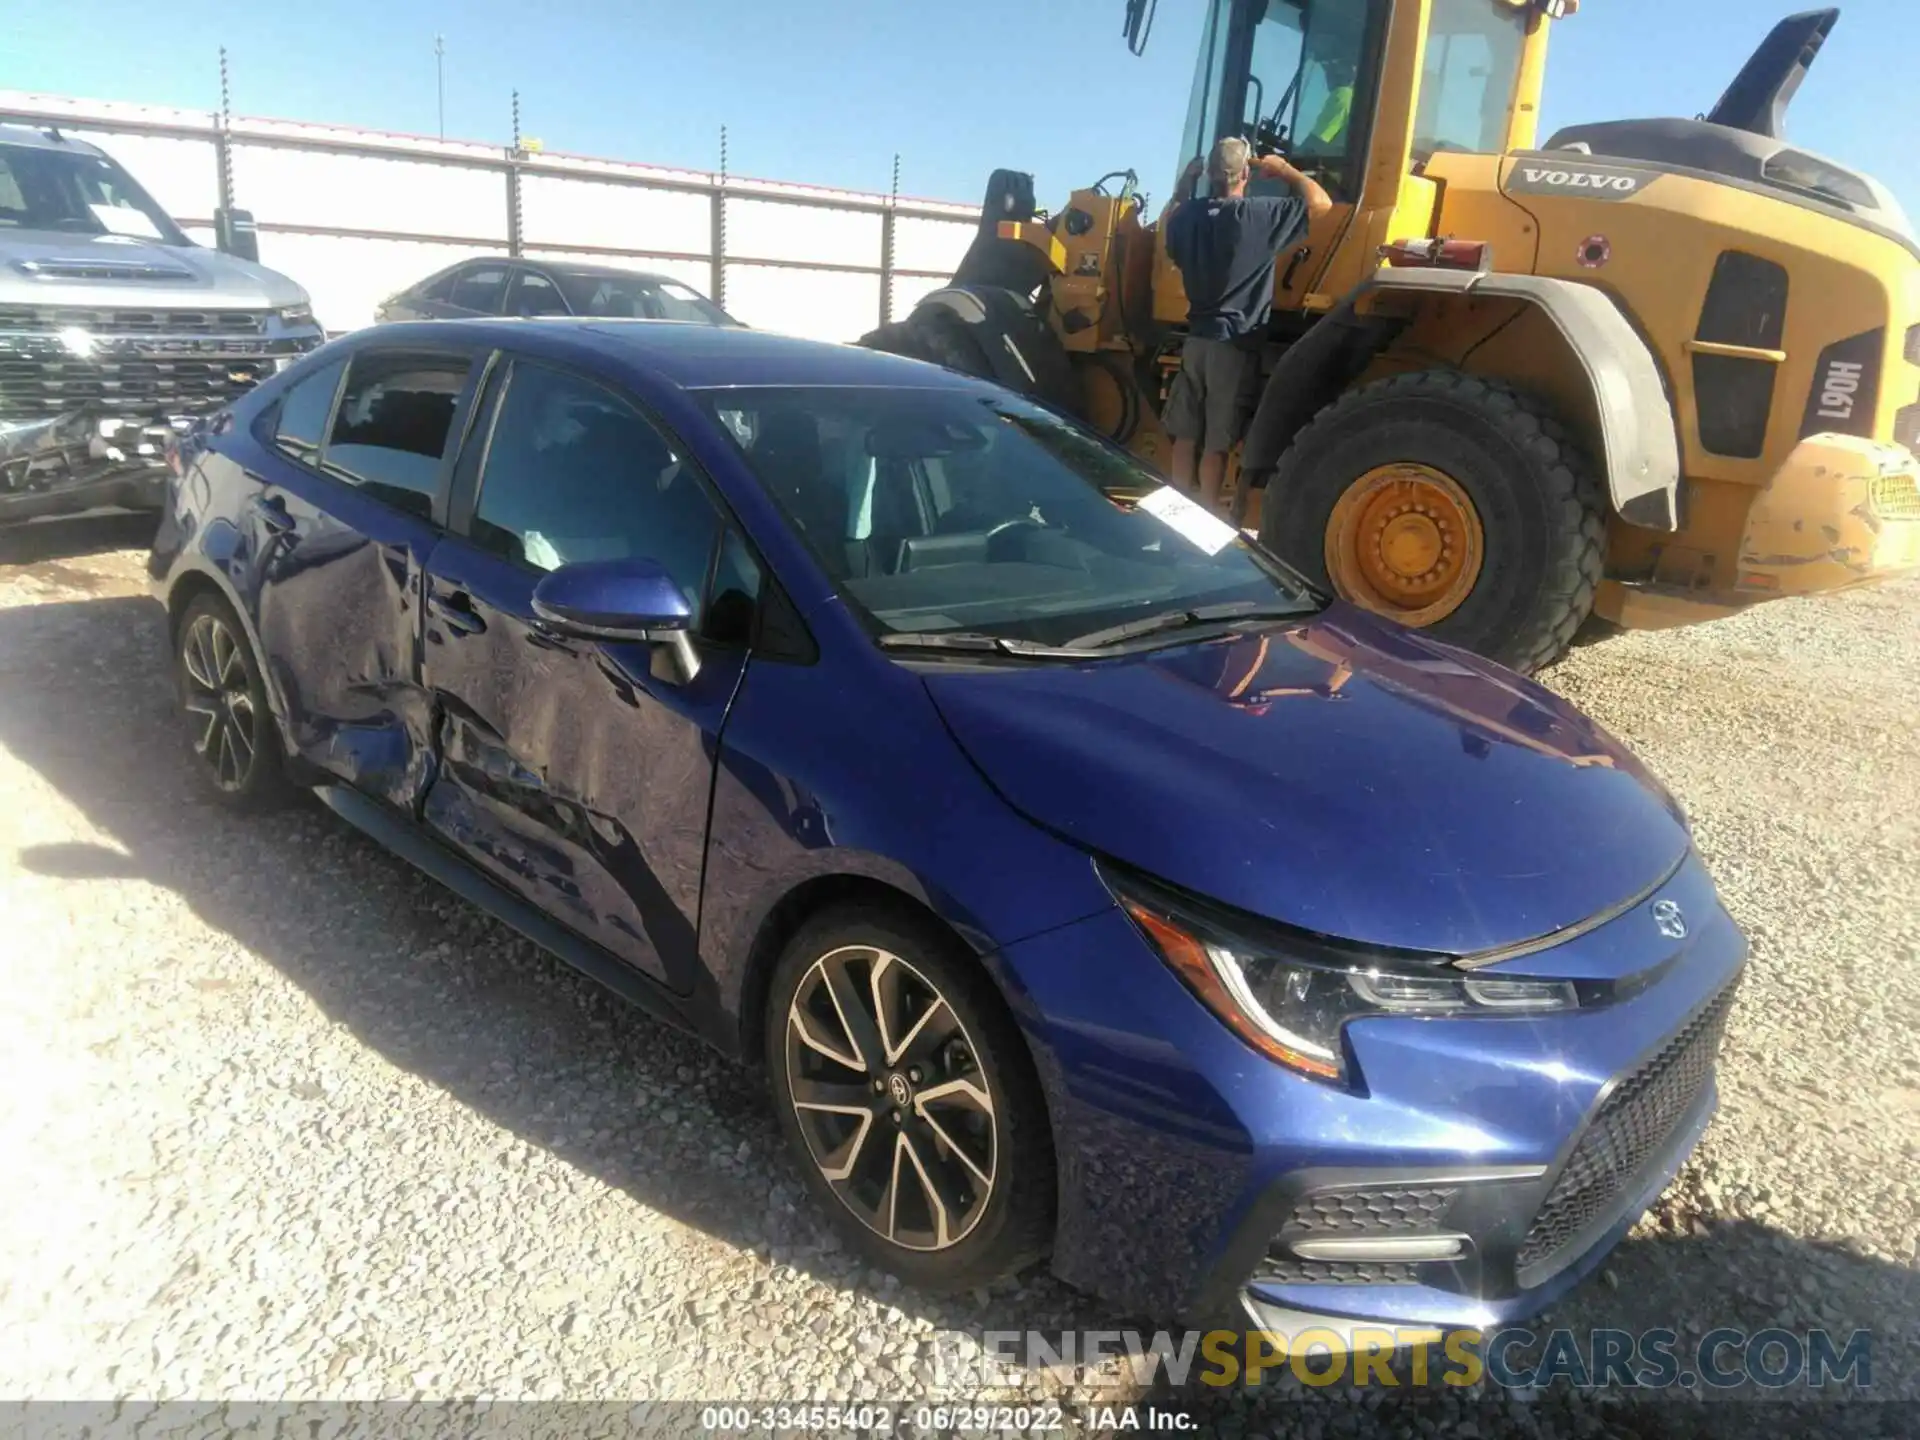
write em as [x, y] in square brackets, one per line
[481, 289]
[304, 412]
[396, 415]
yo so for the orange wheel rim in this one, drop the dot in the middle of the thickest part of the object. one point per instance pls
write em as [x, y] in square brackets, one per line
[1404, 541]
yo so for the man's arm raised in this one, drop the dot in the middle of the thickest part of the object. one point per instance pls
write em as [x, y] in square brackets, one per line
[1277, 167]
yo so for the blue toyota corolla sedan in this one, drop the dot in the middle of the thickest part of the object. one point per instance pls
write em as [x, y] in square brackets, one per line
[1084, 883]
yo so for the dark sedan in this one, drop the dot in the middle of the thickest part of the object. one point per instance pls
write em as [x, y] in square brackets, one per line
[477, 289]
[1082, 881]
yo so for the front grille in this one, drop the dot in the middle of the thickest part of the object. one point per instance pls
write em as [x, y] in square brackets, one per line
[1371, 1212]
[1895, 497]
[1289, 1270]
[1635, 1121]
[51, 319]
[31, 388]
[1387, 1210]
[1746, 305]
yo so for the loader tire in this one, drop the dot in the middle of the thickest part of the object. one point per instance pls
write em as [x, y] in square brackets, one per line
[1449, 502]
[936, 336]
[1004, 341]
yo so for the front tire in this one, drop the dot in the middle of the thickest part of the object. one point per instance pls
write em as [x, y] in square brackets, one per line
[909, 1099]
[223, 701]
[1451, 503]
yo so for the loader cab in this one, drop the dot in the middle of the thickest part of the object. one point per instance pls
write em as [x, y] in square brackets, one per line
[1359, 93]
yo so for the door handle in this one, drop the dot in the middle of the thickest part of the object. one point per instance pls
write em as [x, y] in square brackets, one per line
[454, 609]
[1300, 257]
[271, 511]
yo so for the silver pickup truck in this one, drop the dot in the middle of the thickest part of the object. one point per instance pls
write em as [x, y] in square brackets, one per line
[116, 330]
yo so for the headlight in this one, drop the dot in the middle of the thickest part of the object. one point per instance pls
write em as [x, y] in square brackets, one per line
[1289, 994]
[296, 315]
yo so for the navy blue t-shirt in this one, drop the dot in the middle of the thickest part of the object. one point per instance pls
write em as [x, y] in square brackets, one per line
[1225, 249]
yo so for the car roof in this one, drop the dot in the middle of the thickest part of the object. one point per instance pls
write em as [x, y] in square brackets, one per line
[571, 267]
[688, 355]
[30, 139]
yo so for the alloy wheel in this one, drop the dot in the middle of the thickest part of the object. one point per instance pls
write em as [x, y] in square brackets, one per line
[221, 716]
[897, 1113]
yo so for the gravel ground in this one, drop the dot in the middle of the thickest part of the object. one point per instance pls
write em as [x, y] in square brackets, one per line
[289, 1121]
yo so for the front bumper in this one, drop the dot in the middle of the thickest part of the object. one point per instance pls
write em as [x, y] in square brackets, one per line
[1187, 1162]
[82, 461]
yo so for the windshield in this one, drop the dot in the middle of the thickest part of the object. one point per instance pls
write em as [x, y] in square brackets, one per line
[637, 297]
[1468, 80]
[968, 511]
[82, 194]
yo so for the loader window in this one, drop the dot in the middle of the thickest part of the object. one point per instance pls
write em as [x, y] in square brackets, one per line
[1467, 83]
[1293, 82]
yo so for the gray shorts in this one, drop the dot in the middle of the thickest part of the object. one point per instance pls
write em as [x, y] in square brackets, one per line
[1213, 394]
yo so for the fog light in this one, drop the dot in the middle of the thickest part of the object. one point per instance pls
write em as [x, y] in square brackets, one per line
[1404, 1248]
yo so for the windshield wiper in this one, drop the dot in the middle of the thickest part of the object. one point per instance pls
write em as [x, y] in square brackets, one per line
[1183, 619]
[977, 642]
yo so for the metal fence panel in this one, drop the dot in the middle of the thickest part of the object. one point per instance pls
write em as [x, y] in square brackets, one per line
[560, 211]
[362, 192]
[815, 303]
[354, 215]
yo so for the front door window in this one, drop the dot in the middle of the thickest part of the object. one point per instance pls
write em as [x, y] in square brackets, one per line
[1304, 70]
[575, 473]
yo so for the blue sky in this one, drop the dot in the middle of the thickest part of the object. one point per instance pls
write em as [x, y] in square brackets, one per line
[827, 92]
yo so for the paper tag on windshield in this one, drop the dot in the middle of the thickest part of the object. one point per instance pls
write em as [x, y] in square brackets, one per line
[125, 220]
[1193, 522]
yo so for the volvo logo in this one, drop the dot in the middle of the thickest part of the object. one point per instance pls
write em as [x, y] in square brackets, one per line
[901, 1092]
[1570, 176]
[1671, 921]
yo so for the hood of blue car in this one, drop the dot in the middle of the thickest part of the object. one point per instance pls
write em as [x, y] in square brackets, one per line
[1341, 775]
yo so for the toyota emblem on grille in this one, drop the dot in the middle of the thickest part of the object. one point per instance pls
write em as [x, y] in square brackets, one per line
[1671, 920]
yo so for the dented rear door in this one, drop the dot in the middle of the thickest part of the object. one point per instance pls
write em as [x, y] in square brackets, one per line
[350, 502]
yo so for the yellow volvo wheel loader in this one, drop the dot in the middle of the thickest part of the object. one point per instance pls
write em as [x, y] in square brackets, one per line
[1653, 371]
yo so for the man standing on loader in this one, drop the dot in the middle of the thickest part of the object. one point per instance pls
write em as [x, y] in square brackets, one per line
[1225, 247]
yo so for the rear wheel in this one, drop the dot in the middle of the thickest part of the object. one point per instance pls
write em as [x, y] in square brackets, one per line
[1451, 503]
[909, 1100]
[224, 703]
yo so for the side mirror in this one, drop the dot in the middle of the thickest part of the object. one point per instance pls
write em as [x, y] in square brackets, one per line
[631, 600]
[234, 234]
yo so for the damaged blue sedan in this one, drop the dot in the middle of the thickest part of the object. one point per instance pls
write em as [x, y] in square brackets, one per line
[1084, 885]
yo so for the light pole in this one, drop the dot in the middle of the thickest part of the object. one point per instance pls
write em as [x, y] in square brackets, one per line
[440, 83]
